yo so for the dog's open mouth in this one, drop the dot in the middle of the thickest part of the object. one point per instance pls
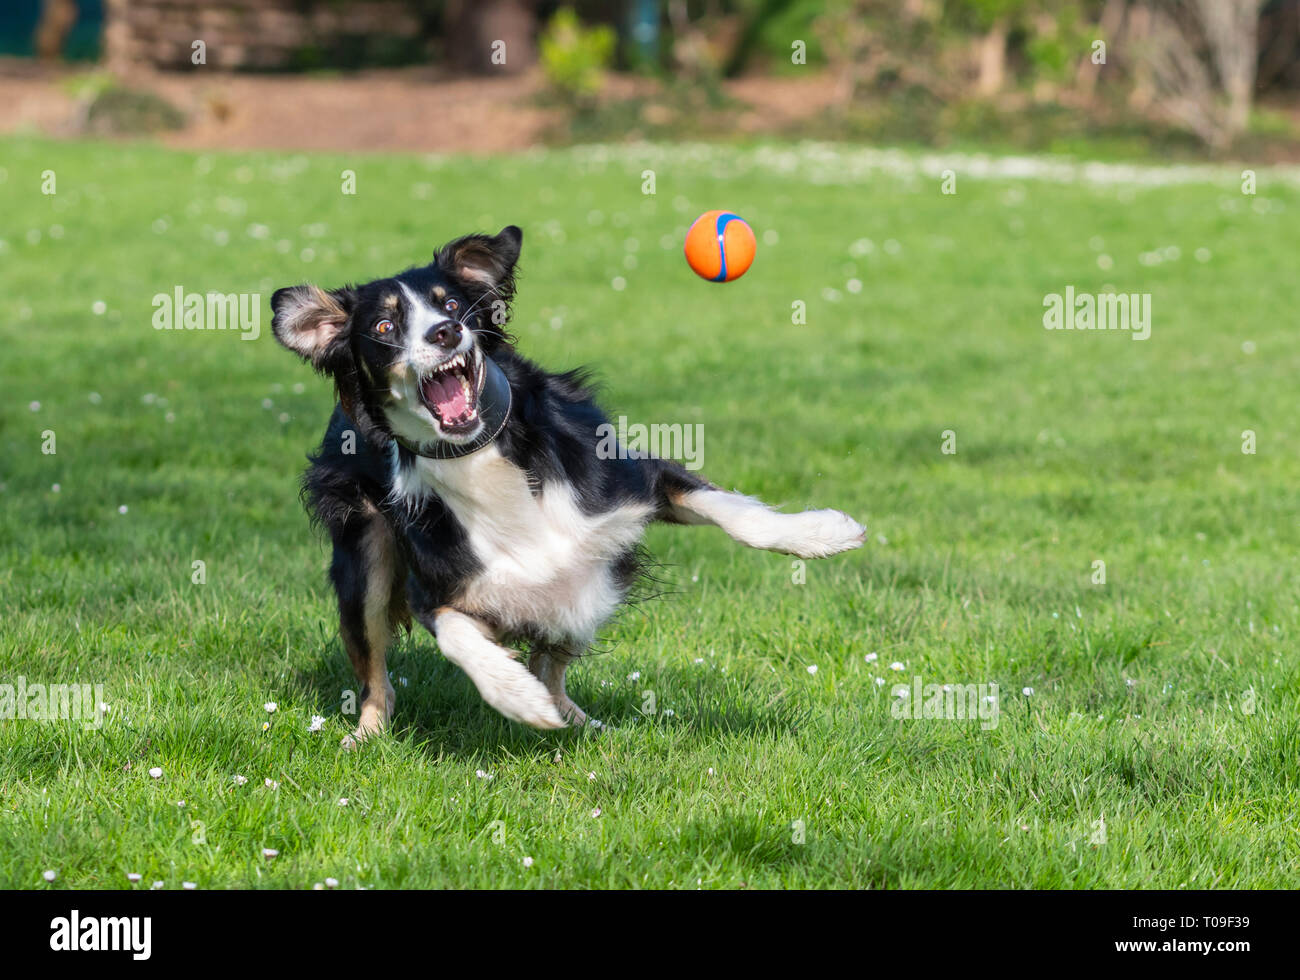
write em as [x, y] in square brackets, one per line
[451, 392]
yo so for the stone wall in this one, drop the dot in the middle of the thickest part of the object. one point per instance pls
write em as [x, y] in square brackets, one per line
[257, 34]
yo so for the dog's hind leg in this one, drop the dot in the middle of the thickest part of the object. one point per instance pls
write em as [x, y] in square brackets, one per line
[810, 534]
[548, 664]
[367, 575]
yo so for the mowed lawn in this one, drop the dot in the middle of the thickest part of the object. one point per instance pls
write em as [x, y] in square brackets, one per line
[1148, 732]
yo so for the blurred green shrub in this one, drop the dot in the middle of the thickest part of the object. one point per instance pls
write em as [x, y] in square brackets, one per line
[574, 57]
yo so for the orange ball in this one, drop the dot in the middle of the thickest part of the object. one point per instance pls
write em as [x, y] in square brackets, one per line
[720, 246]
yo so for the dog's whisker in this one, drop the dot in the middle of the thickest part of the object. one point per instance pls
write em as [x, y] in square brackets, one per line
[491, 291]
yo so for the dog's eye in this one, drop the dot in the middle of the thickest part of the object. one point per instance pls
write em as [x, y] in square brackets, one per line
[384, 326]
[451, 306]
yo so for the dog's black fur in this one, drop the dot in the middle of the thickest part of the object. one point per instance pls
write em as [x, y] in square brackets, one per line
[552, 434]
[410, 554]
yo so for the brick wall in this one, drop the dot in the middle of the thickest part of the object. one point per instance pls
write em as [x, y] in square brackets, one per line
[253, 34]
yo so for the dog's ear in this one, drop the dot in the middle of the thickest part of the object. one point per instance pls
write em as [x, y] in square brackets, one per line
[312, 323]
[484, 262]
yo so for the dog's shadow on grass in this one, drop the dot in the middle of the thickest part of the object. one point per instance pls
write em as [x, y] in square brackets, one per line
[439, 709]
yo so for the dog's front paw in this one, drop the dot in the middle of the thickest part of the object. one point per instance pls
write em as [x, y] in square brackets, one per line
[520, 696]
[823, 533]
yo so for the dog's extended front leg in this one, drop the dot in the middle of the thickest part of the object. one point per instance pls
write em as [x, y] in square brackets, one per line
[548, 664]
[503, 681]
[810, 534]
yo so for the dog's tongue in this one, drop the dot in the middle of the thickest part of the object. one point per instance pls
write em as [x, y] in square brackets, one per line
[445, 393]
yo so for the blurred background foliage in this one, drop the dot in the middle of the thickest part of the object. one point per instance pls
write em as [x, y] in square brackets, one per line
[1170, 74]
[1216, 75]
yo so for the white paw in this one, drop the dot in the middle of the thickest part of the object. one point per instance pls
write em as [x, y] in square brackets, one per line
[822, 533]
[503, 681]
[518, 695]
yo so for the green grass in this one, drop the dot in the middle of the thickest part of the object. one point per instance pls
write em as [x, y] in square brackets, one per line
[1164, 701]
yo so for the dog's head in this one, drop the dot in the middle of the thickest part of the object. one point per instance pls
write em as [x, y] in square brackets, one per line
[409, 352]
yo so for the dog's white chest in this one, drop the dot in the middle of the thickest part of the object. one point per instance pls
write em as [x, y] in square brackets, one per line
[546, 564]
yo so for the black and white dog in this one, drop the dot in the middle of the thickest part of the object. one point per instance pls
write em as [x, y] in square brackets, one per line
[462, 484]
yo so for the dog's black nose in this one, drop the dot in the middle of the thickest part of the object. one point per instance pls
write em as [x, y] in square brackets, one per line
[445, 335]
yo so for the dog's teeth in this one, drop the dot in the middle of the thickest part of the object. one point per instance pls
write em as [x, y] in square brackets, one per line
[462, 361]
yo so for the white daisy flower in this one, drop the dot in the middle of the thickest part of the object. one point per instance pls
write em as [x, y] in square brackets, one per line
[49, 875]
[331, 882]
[896, 665]
[1028, 692]
[316, 722]
[189, 886]
[528, 862]
[239, 780]
[272, 784]
[270, 853]
[270, 707]
[132, 876]
[871, 658]
[156, 772]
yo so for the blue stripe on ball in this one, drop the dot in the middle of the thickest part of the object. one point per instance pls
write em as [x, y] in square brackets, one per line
[724, 219]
